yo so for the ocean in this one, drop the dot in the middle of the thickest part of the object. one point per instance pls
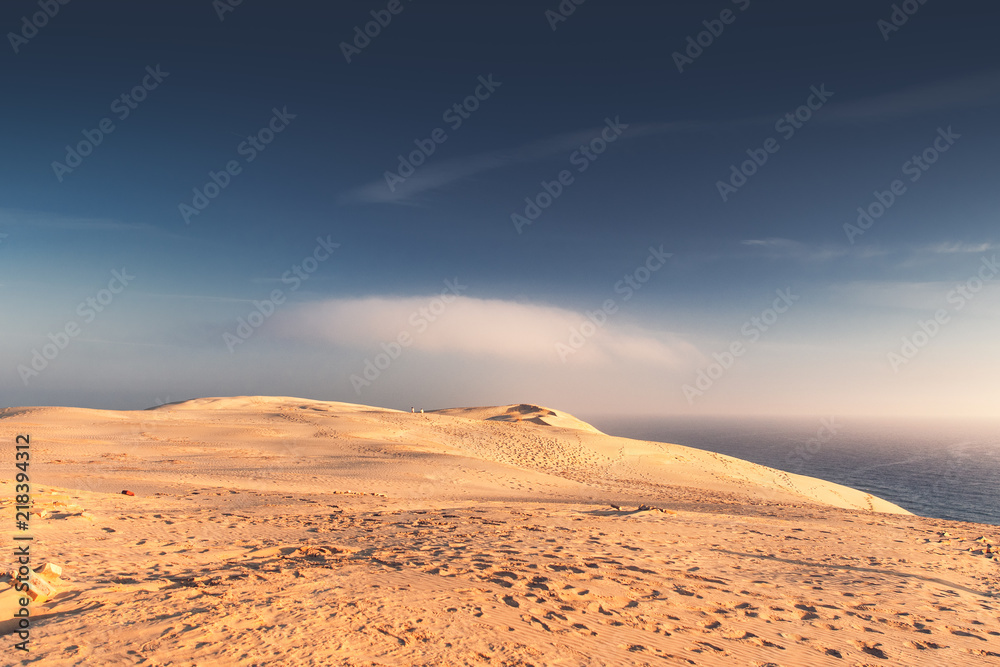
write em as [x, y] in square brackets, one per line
[943, 469]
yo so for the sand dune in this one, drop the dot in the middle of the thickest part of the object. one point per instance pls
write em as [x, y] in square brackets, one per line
[269, 530]
[522, 412]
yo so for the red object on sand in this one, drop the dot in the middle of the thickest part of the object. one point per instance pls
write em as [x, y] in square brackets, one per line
[127, 493]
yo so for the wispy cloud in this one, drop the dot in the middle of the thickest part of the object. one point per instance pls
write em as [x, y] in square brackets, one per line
[478, 327]
[16, 219]
[978, 90]
[194, 297]
[956, 248]
[130, 343]
[20, 218]
[445, 172]
[947, 257]
[921, 296]
[789, 249]
[779, 248]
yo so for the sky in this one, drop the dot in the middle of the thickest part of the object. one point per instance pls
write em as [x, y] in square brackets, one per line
[629, 208]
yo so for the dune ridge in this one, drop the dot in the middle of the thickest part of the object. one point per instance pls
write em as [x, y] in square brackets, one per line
[314, 532]
[494, 445]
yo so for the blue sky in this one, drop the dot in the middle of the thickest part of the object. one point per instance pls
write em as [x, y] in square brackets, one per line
[626, 158]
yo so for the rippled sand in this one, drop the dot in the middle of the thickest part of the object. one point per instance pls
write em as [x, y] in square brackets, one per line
[286, 531]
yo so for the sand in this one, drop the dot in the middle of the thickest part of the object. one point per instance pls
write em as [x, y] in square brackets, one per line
[275, 530]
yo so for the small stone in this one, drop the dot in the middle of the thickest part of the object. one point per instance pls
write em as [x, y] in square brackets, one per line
[39, 589]
[51, 571]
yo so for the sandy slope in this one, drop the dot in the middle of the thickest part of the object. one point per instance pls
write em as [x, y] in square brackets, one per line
[289, 531]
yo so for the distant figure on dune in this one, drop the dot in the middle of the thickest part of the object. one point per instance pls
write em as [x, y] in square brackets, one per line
[412, 410]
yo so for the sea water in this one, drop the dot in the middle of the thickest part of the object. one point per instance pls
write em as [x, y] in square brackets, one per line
[943, 469]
